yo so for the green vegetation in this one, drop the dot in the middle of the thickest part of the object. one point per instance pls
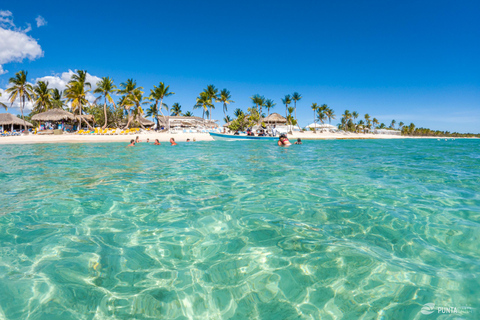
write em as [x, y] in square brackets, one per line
[131, 98]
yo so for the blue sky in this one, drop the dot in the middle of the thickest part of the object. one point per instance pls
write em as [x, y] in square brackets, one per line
[412, 61]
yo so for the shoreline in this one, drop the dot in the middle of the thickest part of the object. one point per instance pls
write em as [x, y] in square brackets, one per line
[182, 137]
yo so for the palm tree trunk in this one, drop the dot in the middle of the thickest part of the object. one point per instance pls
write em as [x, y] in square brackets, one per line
[314, 123]
[79, 118]
[105, 112]
[24, 124]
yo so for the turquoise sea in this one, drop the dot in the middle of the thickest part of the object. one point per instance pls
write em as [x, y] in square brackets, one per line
[352, 229]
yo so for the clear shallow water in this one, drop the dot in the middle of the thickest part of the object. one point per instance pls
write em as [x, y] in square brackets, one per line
[239, 230]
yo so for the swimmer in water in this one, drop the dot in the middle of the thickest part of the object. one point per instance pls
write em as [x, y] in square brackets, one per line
[299, 141]
[156, 143]
[132, 143]
[172, 141]
[283, 141]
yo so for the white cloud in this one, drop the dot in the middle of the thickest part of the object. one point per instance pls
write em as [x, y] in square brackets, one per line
[15, 44]
[40, 21]
[15, 107]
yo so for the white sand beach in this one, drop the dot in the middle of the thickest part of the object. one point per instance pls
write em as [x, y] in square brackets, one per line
[180, 137]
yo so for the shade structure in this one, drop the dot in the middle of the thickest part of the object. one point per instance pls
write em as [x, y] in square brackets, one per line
[181, 121]
[321, 126]
[10, 119]
[54, 115]
[275, 118]
[145, 122]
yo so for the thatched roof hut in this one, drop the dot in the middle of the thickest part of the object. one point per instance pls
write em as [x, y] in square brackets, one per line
[54, 115]
[275, 118]
[10, 119]
[145, 122]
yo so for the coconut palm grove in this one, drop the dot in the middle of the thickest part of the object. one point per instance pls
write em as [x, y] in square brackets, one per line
[133, 101]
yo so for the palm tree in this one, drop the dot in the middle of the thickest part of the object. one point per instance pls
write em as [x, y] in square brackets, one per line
[296, 97]
[286, 101]
[153, 112]
[238, 112]
[400, 125]
[375, 122]
[20, 89]
[105, 88]
[126, 101]
[392, 125]
[176, 109]
[204, 101]
[57, 101]
[361, 124]
[212, 93]
[258, 101]
[76, 93]
[330, 114]
[188, 114]
[158, 94]
[347, 116]
[227, 119]
[355, 115]
[43, 97]
[225, 99]
[269, 104]
[315, 108]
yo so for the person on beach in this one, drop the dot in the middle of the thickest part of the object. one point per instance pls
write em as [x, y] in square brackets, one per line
[156, 143]
[137, 140]
[172, 141]
[132, 143]
[274, 131]
[299, 141]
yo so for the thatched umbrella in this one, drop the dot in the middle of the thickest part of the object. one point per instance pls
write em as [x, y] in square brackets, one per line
[145, 122]
[10, 119]
[54, 115]
[275, 118]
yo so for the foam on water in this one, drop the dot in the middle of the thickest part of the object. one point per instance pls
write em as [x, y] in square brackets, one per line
[233, 230]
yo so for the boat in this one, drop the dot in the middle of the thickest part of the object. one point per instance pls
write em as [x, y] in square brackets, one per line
[231, 137]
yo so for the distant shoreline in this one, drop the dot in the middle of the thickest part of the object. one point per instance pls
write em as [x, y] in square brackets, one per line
[182, 137]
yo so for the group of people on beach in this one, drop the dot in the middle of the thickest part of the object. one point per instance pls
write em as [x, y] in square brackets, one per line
[156, 143]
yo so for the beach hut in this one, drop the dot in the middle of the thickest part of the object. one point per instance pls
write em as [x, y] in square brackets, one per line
[8, 119]
[145, 122]
[275, 118]
[54, 115]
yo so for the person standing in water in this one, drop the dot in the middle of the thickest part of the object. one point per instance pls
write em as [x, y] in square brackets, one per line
[283, 141]
[156, 143]
[172, 141]
[132, 143]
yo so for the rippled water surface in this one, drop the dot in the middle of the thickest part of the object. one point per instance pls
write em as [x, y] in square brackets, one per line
[240, 230]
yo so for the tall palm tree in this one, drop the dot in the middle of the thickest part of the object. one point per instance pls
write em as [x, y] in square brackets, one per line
[314, 107]
[137, 98]
[76, 95]
[367, 120]
[176, 109]
[400, 125]
[153, 112]
[212, 93]
[347, 116]
[330, 114]
[286, 101]
[225, 99]
[361, 124]
[57, 99]
[296, 97]
[375, 122]
[158, 94]
[238, 112]
[43, 97]
[188, 114]
[258, 101]
[227, 119]
[20, 89]
[355, 115]
[204, 101]
[76, 92]
[392, 125]
[269, 104]
[105, 88]
[321, 116]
